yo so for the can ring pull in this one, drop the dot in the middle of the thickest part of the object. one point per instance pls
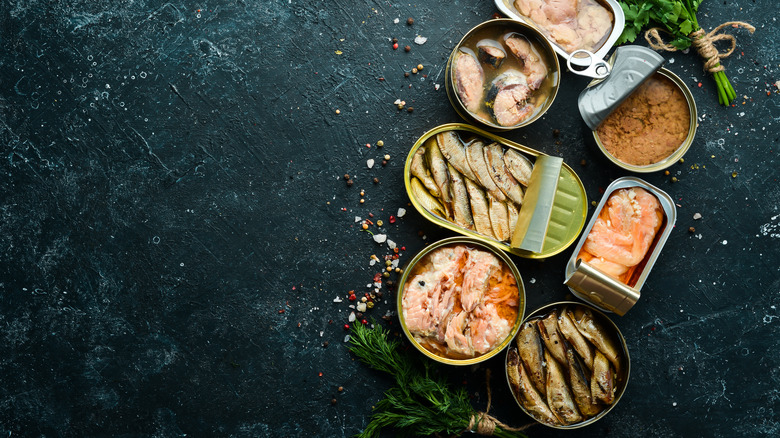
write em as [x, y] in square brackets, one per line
[598, 69]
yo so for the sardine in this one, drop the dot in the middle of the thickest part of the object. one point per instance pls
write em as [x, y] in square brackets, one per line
[455, 153]
[420, 170]
[559, 398]
[580, 385]
[514, 214]
[499, 218]
[438, 166]
[426, 199]
[479, 209]
[461, 210]
[531, 351]
[602, 384]
[597, 334]
[475, 157]
[494, 157]
[518, 166]
[570, 333]
[525, 392]
[548, 330]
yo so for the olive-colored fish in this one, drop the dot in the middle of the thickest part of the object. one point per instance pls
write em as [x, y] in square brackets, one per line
[559, 397]
[438, 167]
[514, 214]
[580, 385]
[420, 170]
[531, 351]
[476, 160]
[548, 330]
[494, 157]
[602, 383]
[499, 218]
[426, 199]
[569, 331]
[461, 210]
[525, 392]
[594, 331]
[454, 151]
[519, 166]
[479, 209]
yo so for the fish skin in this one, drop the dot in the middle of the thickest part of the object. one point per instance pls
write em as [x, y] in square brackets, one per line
[548, 330]
[570, 333]
[518, 166]
[525, 392]
[455, 152]
[438, 166]
[592, 330]
[499, 218]
[475, 158]
[479, 209]
[461, 210]
[602, 383]
[580, 386]
[494, 157]
[559, 398]
[419, 169]
[514, 214]
[425, 198]
[531, 351]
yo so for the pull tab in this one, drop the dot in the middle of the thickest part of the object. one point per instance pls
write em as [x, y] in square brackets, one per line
[597, 69]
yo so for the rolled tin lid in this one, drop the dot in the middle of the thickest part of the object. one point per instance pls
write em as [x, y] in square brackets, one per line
[601, 289]
[631, 66]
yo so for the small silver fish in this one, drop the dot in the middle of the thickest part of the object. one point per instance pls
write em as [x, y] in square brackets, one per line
[525, 392]
[548, 330]
[499, 218]
[476, 160]
[461, 209]
[570, 333]
[438, 167]
[559, 398]
[420, 170]
[594, 331]
[479, 209]
[602, 384]
[426, 199]
[531, 351]
[519, 166]
[494, 157]
[514, 214]
[580, 385]
[454, 151]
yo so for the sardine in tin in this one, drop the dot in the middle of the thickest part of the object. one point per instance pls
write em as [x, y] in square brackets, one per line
[568, 209]
[598, 288]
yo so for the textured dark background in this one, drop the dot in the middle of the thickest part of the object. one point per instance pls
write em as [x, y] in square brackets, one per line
[175, 227]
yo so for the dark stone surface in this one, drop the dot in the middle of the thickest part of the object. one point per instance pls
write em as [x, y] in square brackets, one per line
[175, 227]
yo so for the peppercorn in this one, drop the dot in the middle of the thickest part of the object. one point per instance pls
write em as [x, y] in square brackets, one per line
[341, 389]
[400, 106]
[674, 179]
[691, 230]
[556, 132]
[666, 172]
[384, 162]
[370, 304]
[376, 180]
[379, 294]
[395, 46]
[406, 74]
[359, 315]
[410, 21]
[364, 322]
[365, 226]
[349, 183]
[387, 157]
[333, 401]
[583, 162]
[346, 326]
[338, 111]
[362, 193]
[407, 48]
[414, 70]
[419, 67]
[346, 176]
[410, 109]
[325, 344]
[380, 143]
[395, 40]
[379, 223]
[362, 201]
[385, 274]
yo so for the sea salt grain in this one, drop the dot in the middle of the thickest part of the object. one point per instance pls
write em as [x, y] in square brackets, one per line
[370, 163]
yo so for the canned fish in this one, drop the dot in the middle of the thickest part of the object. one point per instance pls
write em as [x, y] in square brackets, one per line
[568, 365]
[502, 74]
[460, 302]
[591, 26]
[502, 193]
[620, 244]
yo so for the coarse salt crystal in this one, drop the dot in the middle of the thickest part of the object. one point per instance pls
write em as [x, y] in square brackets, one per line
[372, 262]
[380, 238]
[696, 216]
[361, 307]
[337, 300]
[391, 244]
[370, 163]
[420, 40]
[346, 338]
[396, 21]
[351, 317]
[358, 219]
[401, 212]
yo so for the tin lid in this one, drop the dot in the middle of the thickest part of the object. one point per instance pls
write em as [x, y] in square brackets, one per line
[601, 289]
[631, 66]
[534, 217]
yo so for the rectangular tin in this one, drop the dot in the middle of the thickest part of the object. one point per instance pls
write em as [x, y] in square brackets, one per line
[507, 8]
[569, 208]
[601, 290]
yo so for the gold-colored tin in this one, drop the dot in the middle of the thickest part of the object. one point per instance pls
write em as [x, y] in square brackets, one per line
[569, 205]
[680, 151]
[498, 27]
[598, 288]
[471, 242]
[622, 375]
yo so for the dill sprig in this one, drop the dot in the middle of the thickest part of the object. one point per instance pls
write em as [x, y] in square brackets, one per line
[422, 402]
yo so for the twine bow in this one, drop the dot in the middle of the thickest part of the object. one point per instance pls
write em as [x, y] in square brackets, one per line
[485, 423]
[703, 42]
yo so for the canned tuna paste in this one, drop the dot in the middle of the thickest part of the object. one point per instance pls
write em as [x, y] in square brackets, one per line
[649, 125]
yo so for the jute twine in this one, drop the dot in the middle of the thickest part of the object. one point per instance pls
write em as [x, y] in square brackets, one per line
[485, 423]
[704, 43]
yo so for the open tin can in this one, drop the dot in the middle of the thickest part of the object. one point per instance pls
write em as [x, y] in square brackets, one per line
[457, 286]
[602, 281]
[568, 366]
[596, 26]
[548, 219]
[503, 74]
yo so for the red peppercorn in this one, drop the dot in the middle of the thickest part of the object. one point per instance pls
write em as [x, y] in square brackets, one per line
[395, 46]
[392, 219]
[346, 326]
[364, 322]
[403, 248]
[352, 297]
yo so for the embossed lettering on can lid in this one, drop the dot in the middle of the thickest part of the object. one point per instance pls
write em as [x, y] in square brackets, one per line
[631, 66]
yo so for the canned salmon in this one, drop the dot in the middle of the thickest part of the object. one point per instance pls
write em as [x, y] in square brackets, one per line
[585, 26]
[568, 365]
[620, 244]
[501, 193]
[460, 302]
[503, 74]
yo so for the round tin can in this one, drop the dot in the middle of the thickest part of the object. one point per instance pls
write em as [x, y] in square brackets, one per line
[620, 372]
[569, 206]
[679, 152]
[494, 32]
[470, 243]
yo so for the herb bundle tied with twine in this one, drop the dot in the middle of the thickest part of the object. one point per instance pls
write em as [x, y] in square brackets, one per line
[421, 403]
[677, 18]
